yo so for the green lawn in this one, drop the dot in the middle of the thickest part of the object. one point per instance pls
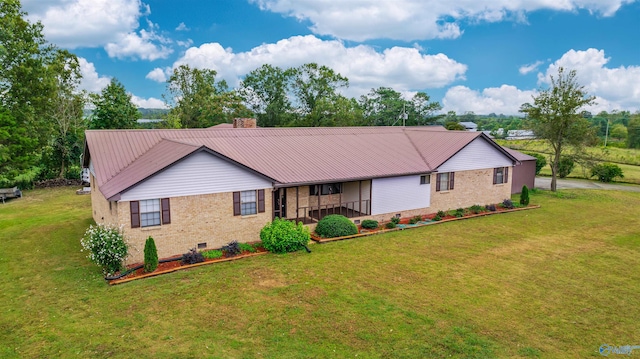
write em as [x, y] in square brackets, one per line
[552, 282]
[631, 173]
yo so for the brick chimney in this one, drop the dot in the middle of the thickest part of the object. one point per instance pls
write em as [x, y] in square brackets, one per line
[244, 123]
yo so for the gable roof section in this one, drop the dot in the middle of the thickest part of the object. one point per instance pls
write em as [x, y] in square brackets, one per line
[288, 156]
[519, 155]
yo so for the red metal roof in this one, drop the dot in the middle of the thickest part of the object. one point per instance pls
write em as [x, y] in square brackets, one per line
[289, 156]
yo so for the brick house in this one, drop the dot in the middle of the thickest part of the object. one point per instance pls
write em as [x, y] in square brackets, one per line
[205, 187]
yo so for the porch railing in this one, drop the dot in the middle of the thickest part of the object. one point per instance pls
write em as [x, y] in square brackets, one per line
[348, 209]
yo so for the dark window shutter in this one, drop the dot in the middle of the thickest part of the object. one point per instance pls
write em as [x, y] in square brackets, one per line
[438, 182]
[260, 200]
[166, 211]
[236, 203]
[495, 175]
[506, 175]
[451, 180]
[135, 214]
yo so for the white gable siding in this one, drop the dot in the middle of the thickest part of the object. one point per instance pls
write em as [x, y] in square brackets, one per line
[397, 194]
[479, 154]
[198, 174]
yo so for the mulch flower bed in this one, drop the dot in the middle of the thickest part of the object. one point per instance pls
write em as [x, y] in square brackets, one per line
[425, 220]
[175, 263]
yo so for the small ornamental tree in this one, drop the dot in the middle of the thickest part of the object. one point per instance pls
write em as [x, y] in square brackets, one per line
[282, 236]
[150, 255]
[565, 166]
[606, 172]
[524, 196]
[107, 247]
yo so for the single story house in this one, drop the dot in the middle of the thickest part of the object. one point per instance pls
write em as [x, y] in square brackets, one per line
[205, 187]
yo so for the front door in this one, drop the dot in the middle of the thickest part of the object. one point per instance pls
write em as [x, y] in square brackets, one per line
[280, 203]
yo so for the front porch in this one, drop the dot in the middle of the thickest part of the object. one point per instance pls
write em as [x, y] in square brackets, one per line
[310, 203]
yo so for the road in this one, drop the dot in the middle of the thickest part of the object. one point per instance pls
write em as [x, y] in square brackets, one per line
[545, 183]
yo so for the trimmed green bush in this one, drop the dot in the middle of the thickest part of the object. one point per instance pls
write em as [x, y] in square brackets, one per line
[524, 196]
[606, 172]
[395, 220]
[246, 247]
[369, 224]
[282, 236]
[415, 219]
[390, 225]
[335, 225]
[150, 255]
[565, 166]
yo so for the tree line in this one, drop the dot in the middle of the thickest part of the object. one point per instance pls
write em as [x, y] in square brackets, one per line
[42, 109]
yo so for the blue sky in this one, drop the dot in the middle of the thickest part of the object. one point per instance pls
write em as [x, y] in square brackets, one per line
[481, 56]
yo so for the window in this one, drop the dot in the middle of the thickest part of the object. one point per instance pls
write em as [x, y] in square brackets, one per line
[325, 189]
[150, 212]
[425, 179]
[246, 203]
[500, 175]
[445, 181]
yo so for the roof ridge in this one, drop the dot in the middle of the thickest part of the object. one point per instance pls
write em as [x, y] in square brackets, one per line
[404, 132]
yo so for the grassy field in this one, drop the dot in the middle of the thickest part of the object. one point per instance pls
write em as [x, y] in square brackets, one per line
[554, 282]
[627, 156]
[627, 159]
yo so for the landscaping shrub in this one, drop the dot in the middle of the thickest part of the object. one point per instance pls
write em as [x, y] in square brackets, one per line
[508, 204]
[476, 208]
[606, 172]
[107, 247]
[395, 220]
[565, 166]
[232, 249]
[282, 236]
[150, 255]
[247, 247]
[212, 254]
[335, 225]
[459, 213]
[390, 225]
[441, 214]
[524, 196]
[369, 224]
[437, 218]
[541, 161]
[491, 207]
[415, 219]
[192, 257]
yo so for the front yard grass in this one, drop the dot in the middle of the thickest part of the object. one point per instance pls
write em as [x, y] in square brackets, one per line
[553, 282]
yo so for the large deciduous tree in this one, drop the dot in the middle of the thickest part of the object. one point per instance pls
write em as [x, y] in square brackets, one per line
[265, 90]
[30, 69]
[113, 108]
[385, 106]
[198, 100]
[554, 117]
[633, 132]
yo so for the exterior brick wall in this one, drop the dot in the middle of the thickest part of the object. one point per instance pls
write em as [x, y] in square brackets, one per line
[470, 187]
[103, 211]
[204, 218]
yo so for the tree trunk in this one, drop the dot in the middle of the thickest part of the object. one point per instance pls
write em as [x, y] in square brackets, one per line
[554, 170]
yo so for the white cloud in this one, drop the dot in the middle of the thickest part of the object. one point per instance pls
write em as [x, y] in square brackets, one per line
[615, 88]
[158, 75]
[408, 20]
[95, 23]
[402, 68]
[139, 46]
[525, 69]
[147, 103]
[91, 80]
[186, 43]
[182, 27]
[505, 99]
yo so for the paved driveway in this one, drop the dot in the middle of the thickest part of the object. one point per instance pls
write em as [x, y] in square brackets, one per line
[545, 183]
